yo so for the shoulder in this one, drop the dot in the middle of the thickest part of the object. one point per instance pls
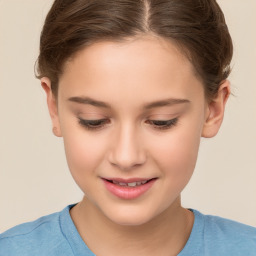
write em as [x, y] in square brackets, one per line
[228, 228]
[28, 228]
[227, 236]
[33, 238]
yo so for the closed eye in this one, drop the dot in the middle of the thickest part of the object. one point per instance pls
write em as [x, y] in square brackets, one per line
[162, 124]
[100, 123]
[93, 124]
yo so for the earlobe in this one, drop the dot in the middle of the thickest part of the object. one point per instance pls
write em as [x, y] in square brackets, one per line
[52, 106]
[215, 111]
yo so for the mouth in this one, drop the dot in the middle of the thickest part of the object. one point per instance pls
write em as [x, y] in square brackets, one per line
[131, 184]
[128, 189]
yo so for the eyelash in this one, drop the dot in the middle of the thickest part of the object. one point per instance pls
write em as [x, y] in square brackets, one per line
[163, 124]
[93, 124]
[100, 123]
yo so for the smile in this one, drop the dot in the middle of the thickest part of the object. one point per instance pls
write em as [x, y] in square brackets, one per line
[130, 184]
[128, 189]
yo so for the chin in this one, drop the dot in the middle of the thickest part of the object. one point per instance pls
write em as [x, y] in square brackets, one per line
[130, 217]
[130, 220]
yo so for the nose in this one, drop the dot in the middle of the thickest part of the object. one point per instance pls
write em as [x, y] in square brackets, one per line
[127, 149]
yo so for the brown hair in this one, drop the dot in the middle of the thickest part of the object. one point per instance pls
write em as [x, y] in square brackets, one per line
[197, 26]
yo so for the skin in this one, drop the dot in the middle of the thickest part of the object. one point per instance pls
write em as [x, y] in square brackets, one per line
[126, 76]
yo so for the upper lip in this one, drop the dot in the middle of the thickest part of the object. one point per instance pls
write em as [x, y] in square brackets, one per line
[130, 180]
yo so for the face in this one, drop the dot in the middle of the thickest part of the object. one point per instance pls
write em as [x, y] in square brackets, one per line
[131, 115]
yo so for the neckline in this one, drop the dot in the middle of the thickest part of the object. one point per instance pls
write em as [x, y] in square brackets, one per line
[193, 244]
[79, 247]
[70, 232]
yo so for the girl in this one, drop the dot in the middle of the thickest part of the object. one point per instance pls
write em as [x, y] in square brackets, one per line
[132, 86]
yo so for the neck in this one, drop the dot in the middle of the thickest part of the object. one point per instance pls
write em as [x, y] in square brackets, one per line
[166, 234]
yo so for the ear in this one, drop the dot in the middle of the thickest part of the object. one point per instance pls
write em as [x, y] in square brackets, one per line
[52, 106]
[215, 111]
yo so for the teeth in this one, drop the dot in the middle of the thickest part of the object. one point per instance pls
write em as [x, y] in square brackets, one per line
[130, 184]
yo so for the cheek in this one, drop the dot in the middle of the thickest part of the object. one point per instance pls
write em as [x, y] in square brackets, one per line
[84, 153]
[176, 154]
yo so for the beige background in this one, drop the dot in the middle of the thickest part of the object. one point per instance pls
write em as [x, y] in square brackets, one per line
[34, 178]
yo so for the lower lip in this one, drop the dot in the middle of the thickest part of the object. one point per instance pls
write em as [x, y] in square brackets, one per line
[128, 192]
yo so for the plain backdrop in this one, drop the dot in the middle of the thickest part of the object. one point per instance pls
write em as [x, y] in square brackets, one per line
[34, 177]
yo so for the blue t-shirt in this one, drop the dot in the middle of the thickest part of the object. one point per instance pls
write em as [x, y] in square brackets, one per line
[56, 235]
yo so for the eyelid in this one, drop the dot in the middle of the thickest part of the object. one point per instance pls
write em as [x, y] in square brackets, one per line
[93, 124]
[97, 124]
[163, 124]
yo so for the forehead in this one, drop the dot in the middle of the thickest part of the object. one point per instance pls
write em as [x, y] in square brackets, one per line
[145, 66]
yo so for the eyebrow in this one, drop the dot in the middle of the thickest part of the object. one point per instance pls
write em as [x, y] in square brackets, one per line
[166, 102]
[101, 104]
[89, 101]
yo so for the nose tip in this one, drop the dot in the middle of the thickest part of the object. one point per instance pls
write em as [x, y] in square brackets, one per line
[127, 152]
[125, 167]
[127, 158]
